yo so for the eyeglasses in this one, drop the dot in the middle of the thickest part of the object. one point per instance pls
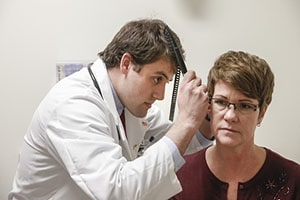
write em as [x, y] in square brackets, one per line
[241, 107]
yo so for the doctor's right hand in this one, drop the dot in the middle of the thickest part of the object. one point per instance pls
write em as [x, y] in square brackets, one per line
[192, 100]
[192, 109]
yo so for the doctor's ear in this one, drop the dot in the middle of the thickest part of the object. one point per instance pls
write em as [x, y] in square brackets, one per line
[125, 62]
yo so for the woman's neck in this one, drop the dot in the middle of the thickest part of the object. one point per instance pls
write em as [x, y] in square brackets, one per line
[235, 164]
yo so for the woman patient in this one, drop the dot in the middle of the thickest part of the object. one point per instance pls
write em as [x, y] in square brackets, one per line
[240, 87]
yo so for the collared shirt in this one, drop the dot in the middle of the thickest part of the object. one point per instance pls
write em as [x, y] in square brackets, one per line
[119, 105]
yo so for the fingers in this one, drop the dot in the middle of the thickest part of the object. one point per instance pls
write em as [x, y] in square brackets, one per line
[192, 109]
[192, 98]
[190, 77]
[193, 84]
[202, 88]
[197, 82]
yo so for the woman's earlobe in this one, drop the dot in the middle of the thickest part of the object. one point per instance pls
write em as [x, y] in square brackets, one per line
[258, 124]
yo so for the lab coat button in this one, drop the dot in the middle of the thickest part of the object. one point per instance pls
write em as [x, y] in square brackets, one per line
[135, 147]
[144, 123]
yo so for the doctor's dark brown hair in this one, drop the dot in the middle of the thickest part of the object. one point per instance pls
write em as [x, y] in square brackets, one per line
[144, 39]
[247, 73]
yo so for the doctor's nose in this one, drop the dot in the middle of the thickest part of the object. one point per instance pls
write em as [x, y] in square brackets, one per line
[159, 93]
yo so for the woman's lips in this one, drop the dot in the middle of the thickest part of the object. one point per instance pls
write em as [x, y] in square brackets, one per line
[229, 130]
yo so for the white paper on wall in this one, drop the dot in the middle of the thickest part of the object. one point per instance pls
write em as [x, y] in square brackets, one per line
[65, 69]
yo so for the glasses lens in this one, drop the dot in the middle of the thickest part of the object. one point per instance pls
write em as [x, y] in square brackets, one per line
[220, 104]
[245, 108]
[242, 107]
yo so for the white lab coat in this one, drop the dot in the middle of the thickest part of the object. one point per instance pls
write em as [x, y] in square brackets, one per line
[75, 150]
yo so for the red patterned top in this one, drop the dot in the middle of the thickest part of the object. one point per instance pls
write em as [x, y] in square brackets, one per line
[279, 178]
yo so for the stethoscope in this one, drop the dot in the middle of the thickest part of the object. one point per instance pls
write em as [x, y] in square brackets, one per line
[99, 90]
[94, 79]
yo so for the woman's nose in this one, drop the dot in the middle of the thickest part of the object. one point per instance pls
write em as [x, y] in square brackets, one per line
[230, 113]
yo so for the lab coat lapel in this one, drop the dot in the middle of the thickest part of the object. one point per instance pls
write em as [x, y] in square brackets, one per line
[103, 80]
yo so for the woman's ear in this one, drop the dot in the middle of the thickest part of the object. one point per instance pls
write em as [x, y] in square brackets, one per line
[261, 115]
[125, 63]
[209, 111]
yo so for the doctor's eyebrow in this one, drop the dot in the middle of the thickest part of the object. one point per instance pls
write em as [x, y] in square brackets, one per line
[160, 73]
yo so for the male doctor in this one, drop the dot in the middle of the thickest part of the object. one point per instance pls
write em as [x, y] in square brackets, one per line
[77, 147]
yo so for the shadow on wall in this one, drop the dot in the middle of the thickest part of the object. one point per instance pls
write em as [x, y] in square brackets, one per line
[195, 8]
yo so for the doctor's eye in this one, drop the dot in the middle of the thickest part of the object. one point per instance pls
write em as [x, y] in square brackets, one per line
[158, 79]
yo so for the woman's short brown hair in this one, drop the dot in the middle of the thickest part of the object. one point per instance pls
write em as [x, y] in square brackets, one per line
[247, 73]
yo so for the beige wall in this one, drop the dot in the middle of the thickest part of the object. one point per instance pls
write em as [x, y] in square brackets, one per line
[35, 34]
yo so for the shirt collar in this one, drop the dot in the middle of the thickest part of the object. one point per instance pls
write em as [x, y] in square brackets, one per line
[119, 105]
